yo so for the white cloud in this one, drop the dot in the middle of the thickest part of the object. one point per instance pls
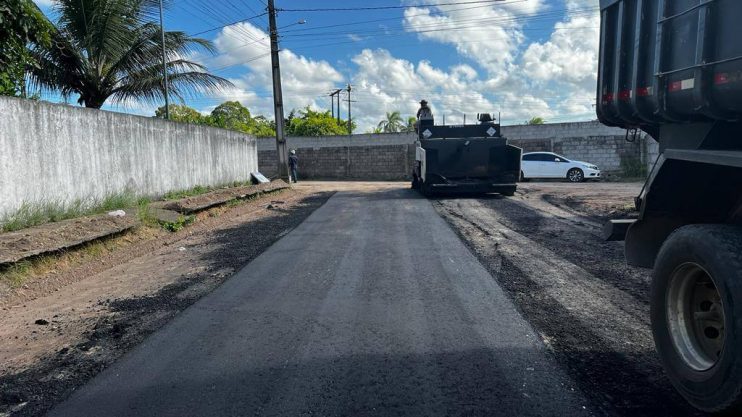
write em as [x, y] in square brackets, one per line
[304, 80]
[490, 36]
[571, 55]
[554, 79]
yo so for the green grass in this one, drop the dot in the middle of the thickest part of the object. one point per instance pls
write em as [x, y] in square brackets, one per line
[35, 214]
[201, 189]
[29, 215]
[177, 195]
[182, 222]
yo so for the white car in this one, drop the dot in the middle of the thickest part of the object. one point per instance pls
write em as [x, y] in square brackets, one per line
[551, 165]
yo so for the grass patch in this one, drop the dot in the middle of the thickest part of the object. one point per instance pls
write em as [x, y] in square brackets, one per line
[201, 189]
[177, 195]
[17, 274]
[177, 226]
[30, 214]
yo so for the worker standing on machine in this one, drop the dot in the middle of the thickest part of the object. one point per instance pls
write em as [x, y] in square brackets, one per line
[424, 115]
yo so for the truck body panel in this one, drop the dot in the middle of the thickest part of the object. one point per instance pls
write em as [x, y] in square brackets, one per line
[669, 61]
[673, 68]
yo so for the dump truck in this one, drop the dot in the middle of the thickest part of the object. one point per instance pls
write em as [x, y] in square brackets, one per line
[473, 158]
[673, 68]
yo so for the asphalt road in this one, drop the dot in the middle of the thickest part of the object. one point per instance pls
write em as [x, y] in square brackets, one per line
[372, 306]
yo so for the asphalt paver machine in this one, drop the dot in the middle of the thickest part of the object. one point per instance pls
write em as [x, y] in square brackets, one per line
[465, 159]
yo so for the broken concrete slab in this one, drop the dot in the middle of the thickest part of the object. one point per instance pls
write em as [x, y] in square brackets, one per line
[190, 205]
[53, 237]
[164, 215]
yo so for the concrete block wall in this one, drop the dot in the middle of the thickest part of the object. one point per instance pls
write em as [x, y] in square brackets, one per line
[390, 156]
[382, 163]
[59, 153]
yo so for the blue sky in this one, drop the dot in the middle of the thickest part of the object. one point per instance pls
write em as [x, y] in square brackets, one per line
[523, 58]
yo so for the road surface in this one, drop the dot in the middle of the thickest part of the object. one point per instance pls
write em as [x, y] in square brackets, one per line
[372, 306]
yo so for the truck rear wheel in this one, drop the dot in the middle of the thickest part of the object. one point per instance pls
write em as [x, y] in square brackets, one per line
[696, 306]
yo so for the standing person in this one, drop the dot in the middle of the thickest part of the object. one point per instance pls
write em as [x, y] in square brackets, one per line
[293, 166]
[424, 115]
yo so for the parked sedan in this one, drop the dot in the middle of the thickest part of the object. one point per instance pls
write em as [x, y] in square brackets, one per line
[551, 165]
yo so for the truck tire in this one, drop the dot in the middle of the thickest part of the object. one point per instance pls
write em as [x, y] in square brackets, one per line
[696, 312]
[575, 175]
[508, 192]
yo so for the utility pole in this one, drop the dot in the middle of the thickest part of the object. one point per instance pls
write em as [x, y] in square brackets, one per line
[164, 65]
[281, 149]
[350, 118]
[332, 103]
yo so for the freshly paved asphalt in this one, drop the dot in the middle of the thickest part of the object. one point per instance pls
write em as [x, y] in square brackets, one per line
[372, 306]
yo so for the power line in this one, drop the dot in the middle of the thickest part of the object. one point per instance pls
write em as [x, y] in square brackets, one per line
[354, 9]
[228, 24]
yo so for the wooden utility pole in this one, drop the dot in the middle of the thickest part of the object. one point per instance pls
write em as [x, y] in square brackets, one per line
[281, 148]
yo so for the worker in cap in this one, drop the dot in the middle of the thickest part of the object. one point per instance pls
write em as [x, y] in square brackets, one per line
[424, 115]
[293, 166]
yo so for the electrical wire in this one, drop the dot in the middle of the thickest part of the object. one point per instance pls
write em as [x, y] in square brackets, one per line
[355, 9]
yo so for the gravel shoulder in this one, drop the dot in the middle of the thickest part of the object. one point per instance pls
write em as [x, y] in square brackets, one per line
[66, 326]
[545, 250]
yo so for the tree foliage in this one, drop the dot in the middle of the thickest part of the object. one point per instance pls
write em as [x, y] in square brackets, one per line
[111, 50]
[315, 123]
[183, 114]
[410, 127]
[233, 115]
[21, 24]
[536, 121]
[230, 115]
[392, 123]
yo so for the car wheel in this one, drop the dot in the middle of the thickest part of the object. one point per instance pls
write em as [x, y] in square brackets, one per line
[575, 175]
[523, 177]
[696, 305]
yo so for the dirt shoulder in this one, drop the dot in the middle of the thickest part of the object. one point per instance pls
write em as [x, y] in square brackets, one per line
[89, 307]
[590, 308]
[599, 201]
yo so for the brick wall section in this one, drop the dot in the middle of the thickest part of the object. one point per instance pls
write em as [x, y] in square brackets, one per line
[390, 156]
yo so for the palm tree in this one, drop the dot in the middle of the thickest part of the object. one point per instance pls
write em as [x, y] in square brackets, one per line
[392, 123]
[410, 124]
[103, 49]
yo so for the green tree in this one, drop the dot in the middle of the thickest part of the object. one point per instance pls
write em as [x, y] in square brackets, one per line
[111, 49]
[392, 123]
[536, 121]
[315, 123]
[263, 127]
[21, 24]
[183, 114]
[410, 127]
[232, 115]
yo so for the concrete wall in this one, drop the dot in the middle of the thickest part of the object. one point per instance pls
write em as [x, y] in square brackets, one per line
[390, 156]
[58, 153]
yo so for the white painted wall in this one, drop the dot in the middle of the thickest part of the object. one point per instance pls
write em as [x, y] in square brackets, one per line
[54, 152]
